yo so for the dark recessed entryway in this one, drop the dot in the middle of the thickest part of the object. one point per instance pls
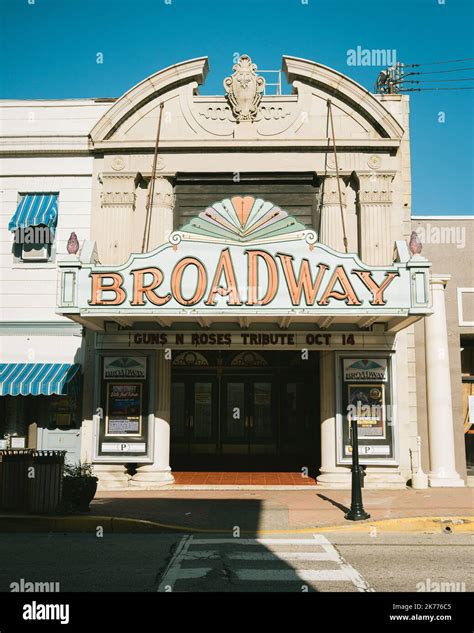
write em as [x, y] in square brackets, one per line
[245, 411]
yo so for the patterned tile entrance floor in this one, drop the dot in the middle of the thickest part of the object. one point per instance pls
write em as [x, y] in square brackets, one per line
[241, 479]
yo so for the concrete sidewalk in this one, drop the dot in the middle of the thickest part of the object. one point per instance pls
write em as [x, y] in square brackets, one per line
[254, 510]
[259, 512]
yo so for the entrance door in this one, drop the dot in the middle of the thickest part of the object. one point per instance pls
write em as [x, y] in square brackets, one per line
[299, 437]
[194, 415]
[244, 411]
[248, 416]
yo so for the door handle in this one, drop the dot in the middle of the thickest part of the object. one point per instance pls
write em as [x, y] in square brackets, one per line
[251, 421]
[191, 422]
[246, 421]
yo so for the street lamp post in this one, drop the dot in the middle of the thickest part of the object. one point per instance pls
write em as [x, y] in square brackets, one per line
[357, 512]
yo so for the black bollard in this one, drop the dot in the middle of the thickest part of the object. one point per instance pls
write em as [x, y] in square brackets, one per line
[357, 512]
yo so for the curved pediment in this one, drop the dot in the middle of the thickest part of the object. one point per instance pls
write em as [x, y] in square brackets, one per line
[193, 120]
[338, 87]
[166, 80]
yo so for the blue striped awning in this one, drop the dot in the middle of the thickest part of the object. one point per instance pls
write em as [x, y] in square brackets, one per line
[35, 209]
[37, 379]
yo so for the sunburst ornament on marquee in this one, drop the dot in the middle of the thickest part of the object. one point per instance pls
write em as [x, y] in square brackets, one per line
[243, 219]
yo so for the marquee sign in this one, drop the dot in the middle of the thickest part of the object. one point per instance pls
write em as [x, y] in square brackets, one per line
[244, 256]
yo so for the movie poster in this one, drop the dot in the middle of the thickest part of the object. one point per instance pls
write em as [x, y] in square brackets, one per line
[124, 409]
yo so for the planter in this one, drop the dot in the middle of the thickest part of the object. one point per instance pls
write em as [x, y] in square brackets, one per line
[78, 492]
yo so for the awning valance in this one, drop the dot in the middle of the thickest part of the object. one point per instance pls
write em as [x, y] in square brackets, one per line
[35, 209]
[38, 379]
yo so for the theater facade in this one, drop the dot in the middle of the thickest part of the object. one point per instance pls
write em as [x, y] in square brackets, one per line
[245, 282]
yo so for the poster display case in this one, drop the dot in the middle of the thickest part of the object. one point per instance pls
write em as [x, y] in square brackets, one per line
[124, 415]
[364, 393]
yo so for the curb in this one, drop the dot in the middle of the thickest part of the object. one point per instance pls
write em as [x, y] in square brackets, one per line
[121, 525]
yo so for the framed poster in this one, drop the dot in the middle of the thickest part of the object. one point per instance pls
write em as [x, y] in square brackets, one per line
[124, 409]
[364, 393]
[367, 406]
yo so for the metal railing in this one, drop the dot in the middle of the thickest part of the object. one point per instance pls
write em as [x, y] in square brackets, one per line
[276, 84]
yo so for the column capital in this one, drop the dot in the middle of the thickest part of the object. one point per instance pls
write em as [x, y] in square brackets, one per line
[163, 194]
[440, 280]
[330, 190]
[118, 190]
[375, 188]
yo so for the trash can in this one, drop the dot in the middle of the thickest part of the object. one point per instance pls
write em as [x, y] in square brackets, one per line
[14, 465]
[45, 484]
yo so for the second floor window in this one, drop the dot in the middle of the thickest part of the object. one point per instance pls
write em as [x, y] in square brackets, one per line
[33, 225]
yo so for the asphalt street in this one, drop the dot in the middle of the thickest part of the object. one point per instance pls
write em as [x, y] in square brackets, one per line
[200, 562]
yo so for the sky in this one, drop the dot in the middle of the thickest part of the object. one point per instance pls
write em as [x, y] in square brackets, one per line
[50, 48]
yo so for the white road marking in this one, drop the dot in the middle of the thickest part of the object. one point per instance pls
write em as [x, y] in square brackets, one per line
[284, 556]
[352, 573]
[288, 575]
[317, 538]
[172, 570]
[208, 550]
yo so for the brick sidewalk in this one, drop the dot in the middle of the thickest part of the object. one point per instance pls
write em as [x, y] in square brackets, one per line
[277, 509]
[241, 479]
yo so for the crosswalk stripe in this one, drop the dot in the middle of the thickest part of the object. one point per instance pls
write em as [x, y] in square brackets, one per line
[292, 574]
[284, 555]
[317, 538]
[277, 556]
[188, 572]
[356, 578]
[171, 572]
[191, 550]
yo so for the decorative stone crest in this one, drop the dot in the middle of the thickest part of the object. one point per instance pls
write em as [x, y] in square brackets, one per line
[244, 89]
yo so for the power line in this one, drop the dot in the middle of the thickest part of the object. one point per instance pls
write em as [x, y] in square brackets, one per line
[393, 79]
[449, 61]
[413, 81]
[424, 89]
[437, 72]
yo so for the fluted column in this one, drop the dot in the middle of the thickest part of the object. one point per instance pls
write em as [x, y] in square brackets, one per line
[375, 206]
[162, 212]
[438, 388]
[330, 474]
[331, 232]
[116, 217]
[159, 473]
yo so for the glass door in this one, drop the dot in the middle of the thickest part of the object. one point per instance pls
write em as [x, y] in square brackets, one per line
[263, 417]
[235, 416]
[193, 415]
[248, 420]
